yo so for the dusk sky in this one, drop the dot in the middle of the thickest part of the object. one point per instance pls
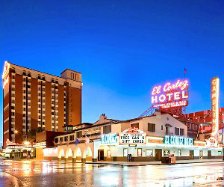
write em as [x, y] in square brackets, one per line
[122, 48]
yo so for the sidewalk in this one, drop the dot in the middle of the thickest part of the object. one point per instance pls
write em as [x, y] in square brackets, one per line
[155, 162]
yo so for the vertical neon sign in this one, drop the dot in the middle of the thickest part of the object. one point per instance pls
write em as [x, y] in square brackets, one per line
[215, 106]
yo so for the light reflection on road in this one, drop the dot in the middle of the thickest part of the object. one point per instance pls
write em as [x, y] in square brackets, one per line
[37, 173]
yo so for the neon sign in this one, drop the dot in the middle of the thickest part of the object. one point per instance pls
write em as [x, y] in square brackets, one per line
[132, 136]
[178, 140]
[215, 106]
[170, 94]
[109, 139]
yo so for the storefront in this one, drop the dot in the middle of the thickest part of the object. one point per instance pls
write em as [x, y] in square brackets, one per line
[116, 147]
[19, 152]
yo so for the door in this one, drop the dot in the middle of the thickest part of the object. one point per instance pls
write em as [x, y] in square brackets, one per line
[158, 154]
[100, 154]
[209, 154]
[139, 152]
[191, 154]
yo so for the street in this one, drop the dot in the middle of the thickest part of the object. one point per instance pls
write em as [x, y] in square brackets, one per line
[37, 173]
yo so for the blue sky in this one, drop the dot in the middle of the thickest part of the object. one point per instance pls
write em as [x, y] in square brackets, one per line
[122, 48]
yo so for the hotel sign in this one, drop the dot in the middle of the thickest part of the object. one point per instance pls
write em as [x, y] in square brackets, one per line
[170, 95]
[109, 139]
[215, 107]
[132, 136]
[178, 140]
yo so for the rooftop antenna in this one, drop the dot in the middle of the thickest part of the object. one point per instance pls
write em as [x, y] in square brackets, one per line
[185, 72]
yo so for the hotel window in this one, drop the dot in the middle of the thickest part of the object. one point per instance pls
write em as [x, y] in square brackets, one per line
[161, 127]
[66, 138]
[151, 127]
[181, 132]
[61, 139]
[72, 76]
[177, 131]
[135, 125]
[167, 130]
[79, 134]
[71, 137]
[107, 129]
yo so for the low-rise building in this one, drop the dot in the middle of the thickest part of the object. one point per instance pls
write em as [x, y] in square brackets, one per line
[144, 139]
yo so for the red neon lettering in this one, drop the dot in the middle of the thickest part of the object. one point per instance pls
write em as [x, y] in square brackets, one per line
[184, 95]
[182, 85]
[154, 99]
[177, 96]
[162, 98]
[169, 95]
[156, 90]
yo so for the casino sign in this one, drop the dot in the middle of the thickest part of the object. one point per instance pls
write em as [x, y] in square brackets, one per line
[171, 94]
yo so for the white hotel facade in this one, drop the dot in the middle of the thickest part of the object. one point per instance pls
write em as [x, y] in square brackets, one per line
[147, 139]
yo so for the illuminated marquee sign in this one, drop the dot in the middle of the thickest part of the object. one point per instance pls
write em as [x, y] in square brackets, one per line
[170, 94]
[132, 136]
[215, 107]
[212, 142]
[109, 139]
[178, 140]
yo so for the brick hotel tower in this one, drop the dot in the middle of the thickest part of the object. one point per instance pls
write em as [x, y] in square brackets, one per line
[37, 100]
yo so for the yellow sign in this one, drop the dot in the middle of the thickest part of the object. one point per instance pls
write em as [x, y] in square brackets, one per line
[215, 107]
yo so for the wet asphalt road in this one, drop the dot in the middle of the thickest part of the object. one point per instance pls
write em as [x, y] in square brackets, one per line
[36, 173]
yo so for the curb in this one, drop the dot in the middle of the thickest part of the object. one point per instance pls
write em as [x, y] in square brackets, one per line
[159, 164]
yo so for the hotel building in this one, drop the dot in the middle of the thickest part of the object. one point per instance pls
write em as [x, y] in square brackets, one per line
[33, 100]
